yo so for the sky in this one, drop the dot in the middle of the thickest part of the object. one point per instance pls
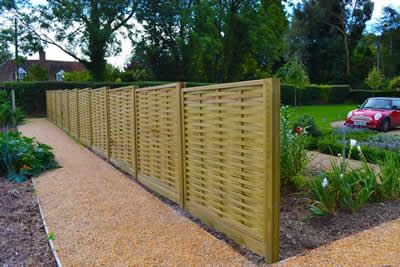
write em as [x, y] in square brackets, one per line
[120, 60]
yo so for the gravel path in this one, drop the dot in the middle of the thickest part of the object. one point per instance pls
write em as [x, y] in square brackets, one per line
[100, 217]
[376, 247]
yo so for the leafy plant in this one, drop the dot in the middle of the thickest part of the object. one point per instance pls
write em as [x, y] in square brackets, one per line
[293, 153]
[22, 157]
[389, 177]
[394, 83]
[375, 79]
[307, 122]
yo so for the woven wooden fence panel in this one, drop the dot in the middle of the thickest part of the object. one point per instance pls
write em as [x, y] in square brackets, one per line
[65, 110]
[48, 105]
[85, 125]
[73, 113]
[58, 109]
[121, 118]
[231, 136]
[159, 153]
[100, 122]
[51, 105]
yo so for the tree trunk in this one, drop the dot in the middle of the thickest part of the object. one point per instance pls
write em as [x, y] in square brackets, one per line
[346, 47]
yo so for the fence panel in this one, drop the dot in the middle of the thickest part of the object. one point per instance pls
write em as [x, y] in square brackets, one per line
[58, 109]
[73, 113]
[121, 118]
[99, 107]
[65, 110]
[48, 105]
[231, 163]
[159, 145]
[85, 122]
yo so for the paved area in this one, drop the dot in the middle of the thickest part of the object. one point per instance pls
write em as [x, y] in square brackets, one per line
[100, 217]
[320, 161]
[339, 124]
[378, 246]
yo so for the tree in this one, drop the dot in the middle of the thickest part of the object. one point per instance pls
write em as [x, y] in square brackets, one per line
[322, 30]
[37, 73]
[77, 76]
[212, 41]
[87, 30]
[294, 73]
[375, 79]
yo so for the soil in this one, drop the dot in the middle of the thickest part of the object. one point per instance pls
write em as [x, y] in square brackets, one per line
[300, 232]
[23, 240]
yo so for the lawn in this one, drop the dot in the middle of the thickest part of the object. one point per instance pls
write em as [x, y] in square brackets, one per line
[324, 114]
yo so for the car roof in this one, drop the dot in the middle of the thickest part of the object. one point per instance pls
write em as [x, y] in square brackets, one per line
[385, 98]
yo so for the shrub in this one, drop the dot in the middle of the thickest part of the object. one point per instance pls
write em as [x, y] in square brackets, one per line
[37, 73]
[394, 83]
[307, 122]
[375, 79]
[293, 154]
[22, 157]
[352, 189]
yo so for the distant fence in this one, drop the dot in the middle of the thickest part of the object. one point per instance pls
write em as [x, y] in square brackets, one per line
[214, 150]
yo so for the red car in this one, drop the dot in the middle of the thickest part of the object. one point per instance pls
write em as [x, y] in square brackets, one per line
[381, 113]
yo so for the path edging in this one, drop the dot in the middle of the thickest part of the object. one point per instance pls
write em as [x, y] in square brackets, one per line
[52, 246]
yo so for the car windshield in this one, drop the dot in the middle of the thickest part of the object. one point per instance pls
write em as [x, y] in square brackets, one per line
[377, 104]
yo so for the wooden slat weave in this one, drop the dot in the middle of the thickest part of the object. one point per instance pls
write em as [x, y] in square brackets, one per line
[73, 113]
[121, 118]
[65, 110]
[53, 106]
[58, 109]
[231, 132]
[85, 125]
[99, 111]
[159, 140]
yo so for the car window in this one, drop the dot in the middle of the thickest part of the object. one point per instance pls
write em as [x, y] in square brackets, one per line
[396, 103]
[377, 103]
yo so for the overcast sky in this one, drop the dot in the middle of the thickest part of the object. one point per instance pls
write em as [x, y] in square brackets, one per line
[55, 53]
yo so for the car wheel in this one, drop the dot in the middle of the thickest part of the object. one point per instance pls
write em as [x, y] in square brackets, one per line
[385, 125]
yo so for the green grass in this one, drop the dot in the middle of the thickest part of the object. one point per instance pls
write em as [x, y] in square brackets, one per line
[324, 114]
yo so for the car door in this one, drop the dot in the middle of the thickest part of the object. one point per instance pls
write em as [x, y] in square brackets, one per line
[396, 113]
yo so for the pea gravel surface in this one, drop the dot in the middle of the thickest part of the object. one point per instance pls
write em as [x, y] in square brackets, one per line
[100, 217]
[379, 246]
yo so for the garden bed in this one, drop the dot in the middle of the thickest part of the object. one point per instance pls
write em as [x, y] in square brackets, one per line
[300, 233]
[23, 240]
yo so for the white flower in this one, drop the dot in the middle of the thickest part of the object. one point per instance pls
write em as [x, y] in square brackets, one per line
[341, 175]
[353, 142]
[359, 148]
[325, 182]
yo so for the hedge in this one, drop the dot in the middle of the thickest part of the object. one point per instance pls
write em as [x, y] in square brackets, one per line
[31, 96]
[315, 94]
[359, 96]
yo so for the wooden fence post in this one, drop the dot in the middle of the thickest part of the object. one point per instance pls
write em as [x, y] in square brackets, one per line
[272, 160]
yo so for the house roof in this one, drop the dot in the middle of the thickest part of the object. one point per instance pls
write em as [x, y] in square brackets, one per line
[7, 69]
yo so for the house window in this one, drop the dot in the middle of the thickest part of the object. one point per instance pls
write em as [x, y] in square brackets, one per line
[22, 74]
[60, 75]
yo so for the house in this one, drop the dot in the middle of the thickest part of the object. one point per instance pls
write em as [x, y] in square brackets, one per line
[55, 68]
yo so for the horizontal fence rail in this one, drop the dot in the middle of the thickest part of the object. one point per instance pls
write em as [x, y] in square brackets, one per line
[214, 150]
[159, 140]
